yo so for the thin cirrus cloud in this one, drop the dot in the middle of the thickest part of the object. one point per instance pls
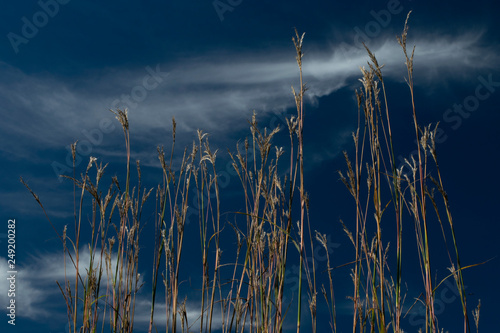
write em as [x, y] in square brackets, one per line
[36, 291]
[39, 296]
[209, 93]
[31, 292]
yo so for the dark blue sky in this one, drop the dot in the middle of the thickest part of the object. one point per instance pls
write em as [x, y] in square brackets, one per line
[65, 63]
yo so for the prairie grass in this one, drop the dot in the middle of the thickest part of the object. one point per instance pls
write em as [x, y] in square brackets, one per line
[244, 287]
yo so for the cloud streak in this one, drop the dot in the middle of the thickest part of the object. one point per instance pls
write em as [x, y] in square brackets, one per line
[39, 297]
[49, 112]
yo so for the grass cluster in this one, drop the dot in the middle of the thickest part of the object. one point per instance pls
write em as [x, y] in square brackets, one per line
[245, 290]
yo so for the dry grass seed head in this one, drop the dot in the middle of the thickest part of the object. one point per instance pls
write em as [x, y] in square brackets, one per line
[297, 41]
[322, 239]
[350, 174]
[174, 127]
[73, 150]
[349, 234]
[475, 314]
[375, 67]
[402, 43]
[292, 124]
[432, 140]
[424, 139]
[122, 117]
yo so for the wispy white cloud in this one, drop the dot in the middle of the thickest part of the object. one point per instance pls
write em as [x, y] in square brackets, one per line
[31, 292]
[212, 93]
[36, 283]
[38, 295]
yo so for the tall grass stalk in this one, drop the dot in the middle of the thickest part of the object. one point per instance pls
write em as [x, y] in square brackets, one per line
[299, 102]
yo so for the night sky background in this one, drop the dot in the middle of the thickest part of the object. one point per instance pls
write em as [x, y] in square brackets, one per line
[64, 64]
